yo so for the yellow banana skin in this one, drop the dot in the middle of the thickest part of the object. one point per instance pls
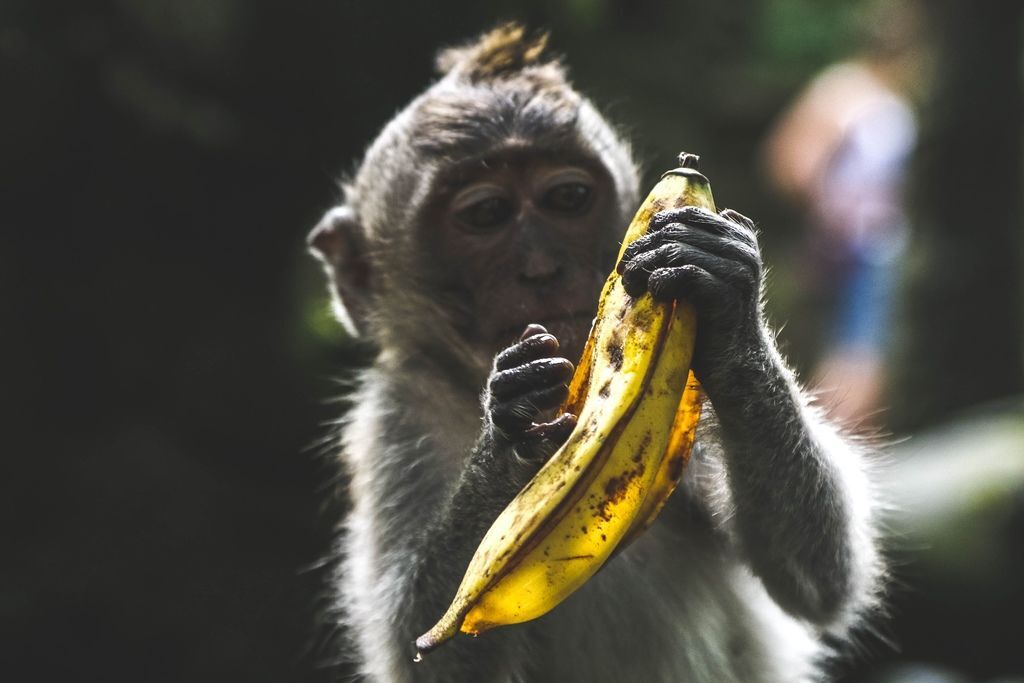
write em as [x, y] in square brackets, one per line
[673, 462]
[638, 407]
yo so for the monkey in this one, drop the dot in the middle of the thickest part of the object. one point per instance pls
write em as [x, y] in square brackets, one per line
[469, 249]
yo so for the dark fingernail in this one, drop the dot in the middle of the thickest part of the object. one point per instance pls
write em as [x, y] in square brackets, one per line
[532, 329]
[737, 217]
[548, 341]
[535, 432]
[566, 422]
[733, 216]
[545, 367]
[560, 426]
[564, 364]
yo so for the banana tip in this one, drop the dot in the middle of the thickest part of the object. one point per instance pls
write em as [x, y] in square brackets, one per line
[429, 642]
[424, 645]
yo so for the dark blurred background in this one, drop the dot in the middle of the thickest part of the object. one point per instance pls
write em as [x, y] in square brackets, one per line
[171, 370]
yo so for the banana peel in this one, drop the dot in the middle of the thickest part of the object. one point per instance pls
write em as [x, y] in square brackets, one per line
[638, 406]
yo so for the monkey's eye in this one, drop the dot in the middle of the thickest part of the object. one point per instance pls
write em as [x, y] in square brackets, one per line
[483, 210]
[568, 198]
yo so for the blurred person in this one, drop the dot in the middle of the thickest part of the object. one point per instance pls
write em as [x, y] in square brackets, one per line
[841, 151]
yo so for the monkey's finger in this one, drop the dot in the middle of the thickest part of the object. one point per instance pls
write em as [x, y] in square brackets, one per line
[541, 345]
[665, 234]
[690, 282]
[661, 249]
[636, 272]
[641, 244]
[740, 227]
[720, 224]
[532, 329]
[556, 431]
[511, 419]
[538, 374]
[682, 214]
[737, 217]
[725, 246]
[743, 275]
[546, 399]
[515, 417]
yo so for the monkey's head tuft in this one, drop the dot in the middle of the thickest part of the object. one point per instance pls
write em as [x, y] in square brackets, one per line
[502, 51]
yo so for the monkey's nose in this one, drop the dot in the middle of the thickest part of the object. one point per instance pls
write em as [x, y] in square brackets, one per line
[541, 269]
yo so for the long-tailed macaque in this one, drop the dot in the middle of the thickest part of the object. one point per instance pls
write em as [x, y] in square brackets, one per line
[470, 250]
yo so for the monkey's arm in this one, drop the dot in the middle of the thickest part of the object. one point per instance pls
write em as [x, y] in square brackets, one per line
[802, 507]
[443, 551]
[802, 504]
[526, 380]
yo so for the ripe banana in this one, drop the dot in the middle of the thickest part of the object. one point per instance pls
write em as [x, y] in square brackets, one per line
[638, 407]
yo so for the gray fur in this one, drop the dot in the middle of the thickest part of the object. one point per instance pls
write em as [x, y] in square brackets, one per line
[768, 546]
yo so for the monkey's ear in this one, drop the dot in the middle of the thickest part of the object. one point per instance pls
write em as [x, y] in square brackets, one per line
[339, 241]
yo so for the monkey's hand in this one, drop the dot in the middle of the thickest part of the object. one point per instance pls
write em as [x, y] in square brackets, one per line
[713, 261]
[801, 510]
[527, 383]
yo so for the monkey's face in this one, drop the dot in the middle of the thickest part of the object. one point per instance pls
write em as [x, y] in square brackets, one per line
[523, 239]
